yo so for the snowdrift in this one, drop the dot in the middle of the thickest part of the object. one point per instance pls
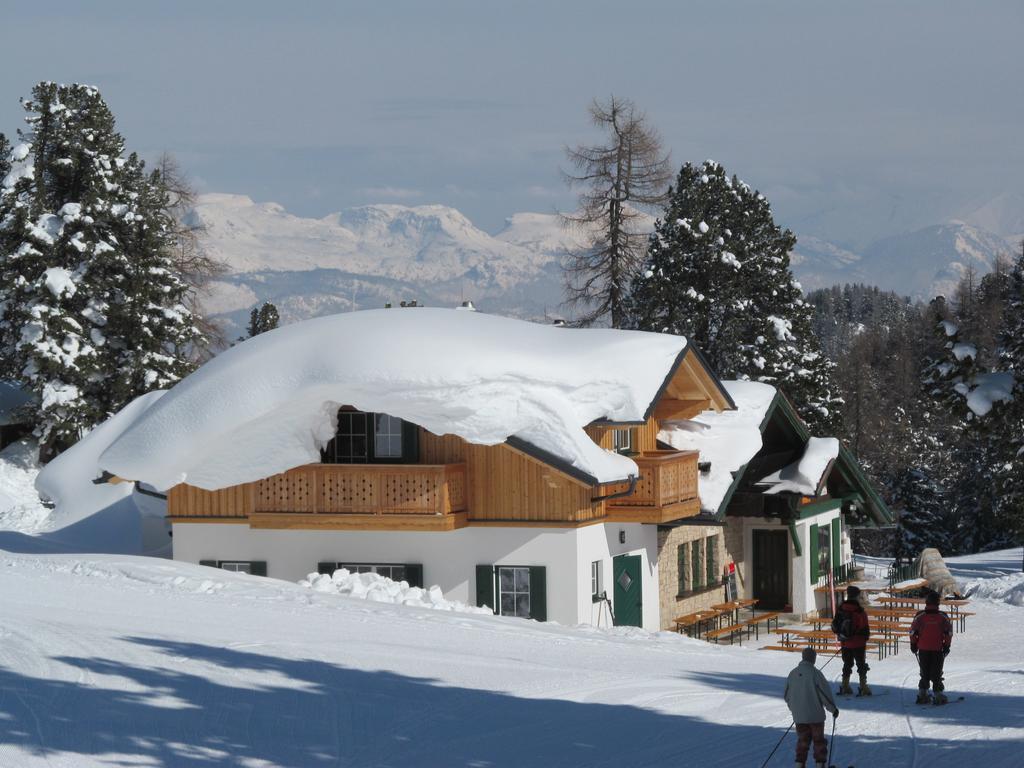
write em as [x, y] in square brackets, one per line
[728, 439]
[380, 589]
[270, 403]
[1007, 589]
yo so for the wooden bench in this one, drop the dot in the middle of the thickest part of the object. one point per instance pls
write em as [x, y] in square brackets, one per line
[824, 639]
[695, 621]
[790, 648]
[767, 618]
[731, 632]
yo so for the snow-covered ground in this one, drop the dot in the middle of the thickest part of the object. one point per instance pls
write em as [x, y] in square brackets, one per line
[114, 660]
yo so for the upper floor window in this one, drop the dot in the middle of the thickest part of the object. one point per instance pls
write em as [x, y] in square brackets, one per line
[622, 440]
[387, 436]
[365, 438]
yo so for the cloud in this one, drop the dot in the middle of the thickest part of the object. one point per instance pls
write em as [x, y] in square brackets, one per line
[391, 193]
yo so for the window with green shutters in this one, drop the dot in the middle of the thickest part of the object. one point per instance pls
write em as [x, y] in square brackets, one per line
[681, 552]
[513, 590]
[711, 555]
[411, 573]
[697, 563]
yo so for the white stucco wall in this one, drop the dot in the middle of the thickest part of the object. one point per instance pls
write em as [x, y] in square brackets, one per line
[449, 558]
[601, 542]
[801, 592]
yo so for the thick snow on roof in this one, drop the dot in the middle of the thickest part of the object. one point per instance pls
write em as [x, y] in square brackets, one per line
[270, 403]
[728, 439]
[804, 475]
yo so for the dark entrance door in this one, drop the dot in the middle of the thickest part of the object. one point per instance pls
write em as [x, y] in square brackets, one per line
[628, 591]
[771, 569]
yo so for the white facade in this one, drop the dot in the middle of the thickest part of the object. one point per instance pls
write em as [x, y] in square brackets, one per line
[802, 596]
[449, 559]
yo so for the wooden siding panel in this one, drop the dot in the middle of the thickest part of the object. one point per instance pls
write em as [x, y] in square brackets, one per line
[188, 501]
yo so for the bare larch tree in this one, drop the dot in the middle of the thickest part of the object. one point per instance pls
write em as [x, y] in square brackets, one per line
[617, 181]
[193, 263]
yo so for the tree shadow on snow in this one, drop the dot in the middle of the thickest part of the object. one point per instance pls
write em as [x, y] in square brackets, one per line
[200, 705]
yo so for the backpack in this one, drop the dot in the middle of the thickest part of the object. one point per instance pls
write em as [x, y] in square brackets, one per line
[842, 625]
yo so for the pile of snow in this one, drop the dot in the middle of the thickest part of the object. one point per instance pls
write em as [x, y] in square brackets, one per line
[1007, 589]
[269, 404]
[728, 440]
[380, 589]
[805, 475]
[20, 507]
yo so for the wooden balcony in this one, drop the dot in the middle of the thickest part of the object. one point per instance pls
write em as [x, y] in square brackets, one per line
[337, 496]
[666, 489]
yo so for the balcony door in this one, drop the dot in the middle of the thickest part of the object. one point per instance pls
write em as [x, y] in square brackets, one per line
[372, 438]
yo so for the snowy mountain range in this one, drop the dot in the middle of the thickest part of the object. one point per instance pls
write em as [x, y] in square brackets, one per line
[367, 256]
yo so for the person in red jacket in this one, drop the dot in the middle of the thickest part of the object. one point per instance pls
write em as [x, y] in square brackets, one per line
[930, 637]
[851, 628]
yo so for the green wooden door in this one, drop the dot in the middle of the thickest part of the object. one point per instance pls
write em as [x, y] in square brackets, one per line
[628, 591]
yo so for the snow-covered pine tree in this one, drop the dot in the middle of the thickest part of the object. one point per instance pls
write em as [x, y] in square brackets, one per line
[717, 271]
[954, 382]
[1010, 436]
[85, 304]
[150, 334]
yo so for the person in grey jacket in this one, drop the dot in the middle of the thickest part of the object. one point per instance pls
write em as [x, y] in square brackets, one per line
[808, 695]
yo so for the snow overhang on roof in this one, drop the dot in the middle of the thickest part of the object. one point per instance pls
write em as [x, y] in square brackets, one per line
[727, 440]
[270, 403]
[807, 475]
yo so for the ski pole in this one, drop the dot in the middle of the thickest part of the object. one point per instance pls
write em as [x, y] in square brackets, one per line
[832, 741]
[777, 746]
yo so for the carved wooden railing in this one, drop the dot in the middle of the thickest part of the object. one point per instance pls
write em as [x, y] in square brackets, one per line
[374, 489]
[666, 477]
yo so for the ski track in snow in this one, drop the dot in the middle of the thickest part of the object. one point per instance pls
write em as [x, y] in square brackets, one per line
[114, 660]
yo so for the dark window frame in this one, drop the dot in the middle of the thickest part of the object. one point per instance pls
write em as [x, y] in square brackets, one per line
[406, 436]
[411, 572]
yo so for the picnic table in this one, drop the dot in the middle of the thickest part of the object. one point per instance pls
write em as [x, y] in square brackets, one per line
[956, 614]
[695, 622]
[908, 586]
[824, 639]
[734, 608]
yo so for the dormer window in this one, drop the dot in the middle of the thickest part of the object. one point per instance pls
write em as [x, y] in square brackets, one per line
[622, 440]
[368, 438]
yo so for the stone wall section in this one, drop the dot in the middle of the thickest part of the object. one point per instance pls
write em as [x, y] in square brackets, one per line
[672, 602]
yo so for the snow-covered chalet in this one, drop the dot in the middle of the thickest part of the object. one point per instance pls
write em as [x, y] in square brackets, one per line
[578, 475]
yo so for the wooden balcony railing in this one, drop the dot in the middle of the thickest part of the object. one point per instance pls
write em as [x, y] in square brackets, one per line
[364, 489]
[667, 486]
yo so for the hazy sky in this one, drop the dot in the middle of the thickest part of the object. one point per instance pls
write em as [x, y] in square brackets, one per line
[857, 119]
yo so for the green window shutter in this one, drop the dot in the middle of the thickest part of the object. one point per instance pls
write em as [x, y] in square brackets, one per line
[414, 575]
[258, 567]
[711, 554]
[485, 586]
[681, 563]
[836, 545]
[410, 444]
[538, 593]
[813, 553]
[210, 563]
[326, 568]
[696, 564]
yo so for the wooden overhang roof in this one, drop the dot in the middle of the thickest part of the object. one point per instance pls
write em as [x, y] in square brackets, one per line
[690, 384]
[845, 468]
